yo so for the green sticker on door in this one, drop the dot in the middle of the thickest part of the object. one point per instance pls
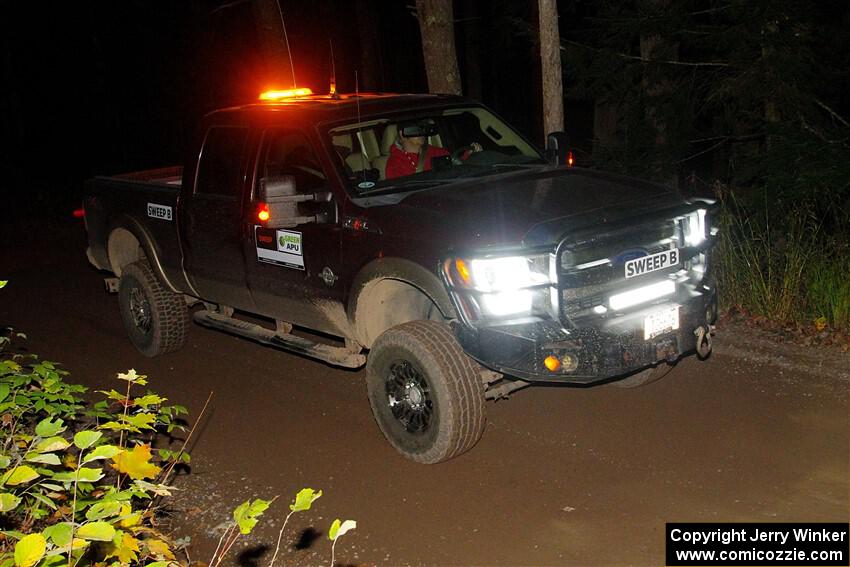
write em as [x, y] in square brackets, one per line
[285, 250]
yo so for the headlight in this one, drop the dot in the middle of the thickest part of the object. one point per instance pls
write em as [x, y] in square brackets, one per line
[502, 287]
[694, 227]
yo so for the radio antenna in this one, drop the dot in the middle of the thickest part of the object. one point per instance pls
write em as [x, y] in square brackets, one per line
[333, 69]
[286, 38]
[359, 125]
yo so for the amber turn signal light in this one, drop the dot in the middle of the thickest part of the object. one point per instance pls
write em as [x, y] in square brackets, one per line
[463, 271]
[552, 363]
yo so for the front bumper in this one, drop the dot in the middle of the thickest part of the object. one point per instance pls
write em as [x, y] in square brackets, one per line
[600, 349]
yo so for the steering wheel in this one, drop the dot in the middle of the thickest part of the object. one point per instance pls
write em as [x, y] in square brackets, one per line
[458, 154]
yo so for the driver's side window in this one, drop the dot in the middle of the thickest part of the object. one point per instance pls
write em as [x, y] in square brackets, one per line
[289, 152]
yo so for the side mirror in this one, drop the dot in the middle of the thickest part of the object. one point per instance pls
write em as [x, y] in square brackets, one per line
[280, 201]
[558, 149]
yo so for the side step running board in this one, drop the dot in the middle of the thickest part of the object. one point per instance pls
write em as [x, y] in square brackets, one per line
[338, 356]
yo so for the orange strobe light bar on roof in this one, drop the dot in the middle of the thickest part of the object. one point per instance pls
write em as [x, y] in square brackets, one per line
[277, 95]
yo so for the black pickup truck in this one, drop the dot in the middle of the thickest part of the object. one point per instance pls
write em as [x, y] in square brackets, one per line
[474, 274]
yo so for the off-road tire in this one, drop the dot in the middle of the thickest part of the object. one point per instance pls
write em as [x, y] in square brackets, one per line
[156, 319]
[452, 385]
[645, 377]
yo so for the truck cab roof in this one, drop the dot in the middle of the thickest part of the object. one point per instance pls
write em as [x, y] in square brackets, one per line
[329, 108]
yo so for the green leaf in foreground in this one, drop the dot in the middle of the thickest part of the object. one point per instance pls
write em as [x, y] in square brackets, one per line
[59, 534]
[48, 427]
[339, 529]
[8, 502]
[51, 444]
[30, 550]
[103, 510]
[85, 439]
[248, 513]
[96, 531]
[304, 499]
[20, 475]
[44, 458]
[83, 474]
[102, 452]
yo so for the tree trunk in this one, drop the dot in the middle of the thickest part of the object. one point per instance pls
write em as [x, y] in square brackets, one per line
[471, 48]
[273, 44]
[656, 81]
[606, 118]
[550, 60]
[371, 64]
[436, 23]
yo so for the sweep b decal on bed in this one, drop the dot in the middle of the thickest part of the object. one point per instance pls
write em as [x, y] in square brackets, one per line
[280, 247]
[156, 211]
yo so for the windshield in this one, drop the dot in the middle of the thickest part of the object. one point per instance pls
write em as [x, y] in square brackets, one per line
[410, 151]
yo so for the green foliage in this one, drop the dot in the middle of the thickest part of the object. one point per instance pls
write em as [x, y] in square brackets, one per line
[338, 529]
[304, 499]
[29, 550]
[72, 486]
[776, 260]
[748, 94]
[828, 286]
[247, 514]
[79, 486]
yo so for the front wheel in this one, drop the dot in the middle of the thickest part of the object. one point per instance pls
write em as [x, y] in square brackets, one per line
[426, 394]
[155, 318]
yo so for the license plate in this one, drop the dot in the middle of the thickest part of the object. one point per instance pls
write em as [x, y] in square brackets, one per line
[651, 263]
[660, 322]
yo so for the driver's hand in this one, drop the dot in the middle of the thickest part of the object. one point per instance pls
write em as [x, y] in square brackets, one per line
[476, 147]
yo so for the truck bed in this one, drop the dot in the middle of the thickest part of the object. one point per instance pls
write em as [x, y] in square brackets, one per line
[168, 176]
[144, 204]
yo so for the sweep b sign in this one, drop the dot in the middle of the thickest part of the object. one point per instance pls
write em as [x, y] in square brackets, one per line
[651, 263]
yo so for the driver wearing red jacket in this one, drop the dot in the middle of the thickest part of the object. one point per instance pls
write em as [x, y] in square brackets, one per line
[410, 147]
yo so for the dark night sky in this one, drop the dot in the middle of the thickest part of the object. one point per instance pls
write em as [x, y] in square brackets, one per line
[102, 87]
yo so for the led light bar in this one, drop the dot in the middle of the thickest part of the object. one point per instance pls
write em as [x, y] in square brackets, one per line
[641, 295]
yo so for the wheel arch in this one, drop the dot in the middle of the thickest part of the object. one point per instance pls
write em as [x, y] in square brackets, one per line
[411, 291]
[128, 242]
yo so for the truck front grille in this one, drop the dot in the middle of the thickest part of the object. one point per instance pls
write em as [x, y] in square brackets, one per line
[591, 270]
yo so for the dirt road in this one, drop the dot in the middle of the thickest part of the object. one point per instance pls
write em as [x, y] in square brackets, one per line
[561, 476]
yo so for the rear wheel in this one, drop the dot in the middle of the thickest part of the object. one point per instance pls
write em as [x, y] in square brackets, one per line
[155, 318]
[426, 394]
[644, 377]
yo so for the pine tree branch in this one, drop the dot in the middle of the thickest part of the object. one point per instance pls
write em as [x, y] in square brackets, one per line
[832, 112]
[646, 59]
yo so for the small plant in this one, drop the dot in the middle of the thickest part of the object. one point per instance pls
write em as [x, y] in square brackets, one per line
[338, 529]
[77, 485]
[246, 515]
[303, 500]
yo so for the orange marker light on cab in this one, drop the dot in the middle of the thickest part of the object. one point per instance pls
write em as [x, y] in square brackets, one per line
[291, 93]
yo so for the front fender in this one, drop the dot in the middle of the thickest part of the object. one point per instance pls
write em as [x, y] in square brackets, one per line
[400, 270]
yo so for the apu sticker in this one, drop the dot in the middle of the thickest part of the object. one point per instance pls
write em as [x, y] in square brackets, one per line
[159, 211]
[365, 185]
[280, 247]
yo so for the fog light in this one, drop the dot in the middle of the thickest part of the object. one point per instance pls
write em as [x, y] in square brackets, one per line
[569, 363]
[552, 363]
